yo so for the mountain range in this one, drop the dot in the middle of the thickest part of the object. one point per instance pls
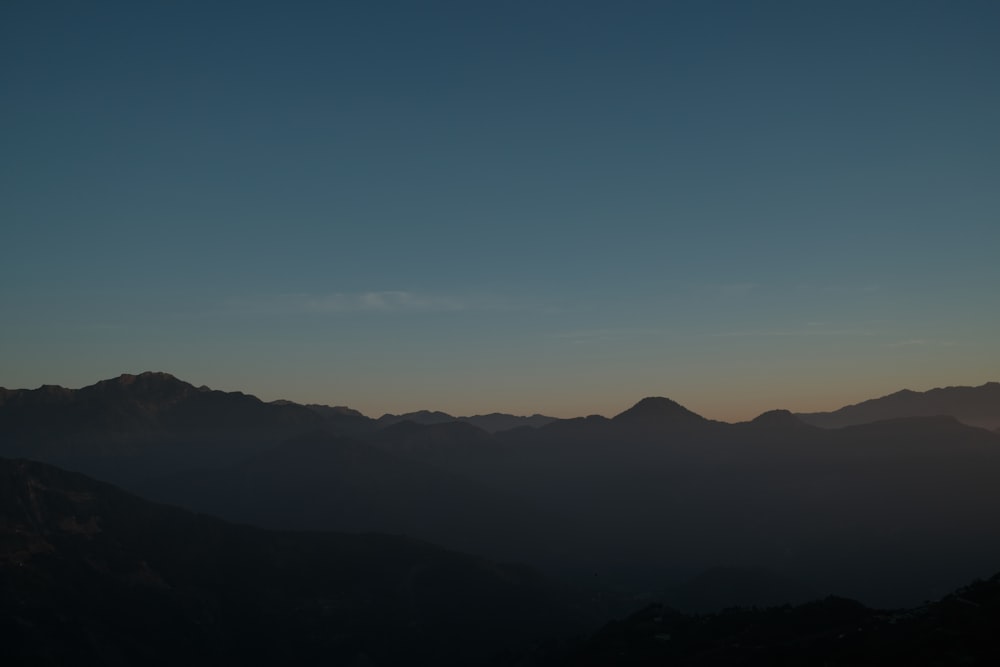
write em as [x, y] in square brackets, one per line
[891, 512]
[336, 514]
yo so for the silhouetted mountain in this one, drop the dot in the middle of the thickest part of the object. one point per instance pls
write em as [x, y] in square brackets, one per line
[781, 419]
[976, 406]
[343, 420]
[499, 421]
[777, 426]
[138, 404]
[336, 409]
[90, 575]
[491, 423]
[655, 410]
[889, 512]
[959, 629]
[152, 421]
[419, 417]
[727, 587]
[658, 418]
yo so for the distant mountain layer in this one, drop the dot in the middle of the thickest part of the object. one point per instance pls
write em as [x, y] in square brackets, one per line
[91, 575]
[976, 406]
[491, 423]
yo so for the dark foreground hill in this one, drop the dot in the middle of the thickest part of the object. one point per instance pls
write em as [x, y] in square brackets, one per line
[960, 629]
[90, 575]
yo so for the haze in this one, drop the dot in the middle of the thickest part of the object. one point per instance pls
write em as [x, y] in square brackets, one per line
[475, 207]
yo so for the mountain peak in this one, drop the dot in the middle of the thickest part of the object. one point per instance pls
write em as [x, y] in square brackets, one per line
[158, 375]
[777, 418]
[147, 385]
[145, 378]
[420, 417]
[656, 408]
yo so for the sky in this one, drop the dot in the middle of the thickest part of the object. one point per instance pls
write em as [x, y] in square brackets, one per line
[555, 207]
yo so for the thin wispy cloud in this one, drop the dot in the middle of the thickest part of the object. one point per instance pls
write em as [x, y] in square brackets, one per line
[921, 342]
[809, 330]
[623, 333]
[839, 289]
[383, 301]
[730, 290]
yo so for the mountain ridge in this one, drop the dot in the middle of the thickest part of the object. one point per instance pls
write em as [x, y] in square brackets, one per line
[977, 406]
[660, 486]
[984, 410]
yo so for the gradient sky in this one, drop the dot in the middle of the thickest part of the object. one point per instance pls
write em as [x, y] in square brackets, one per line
[516, 206]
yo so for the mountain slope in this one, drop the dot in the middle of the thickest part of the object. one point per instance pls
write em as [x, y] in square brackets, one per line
[92, 575]
[132, 425]
[323, 482]
[976, 406]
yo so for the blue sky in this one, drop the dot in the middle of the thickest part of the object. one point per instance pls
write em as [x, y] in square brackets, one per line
[517, 206]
